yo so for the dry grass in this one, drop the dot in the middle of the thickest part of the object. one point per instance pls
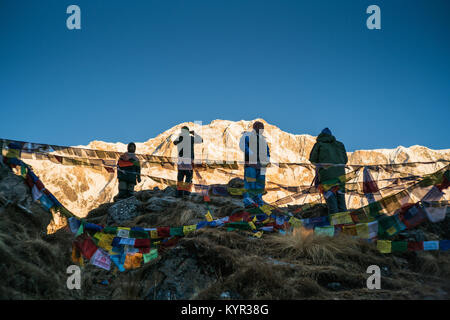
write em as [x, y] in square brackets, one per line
[299, 265]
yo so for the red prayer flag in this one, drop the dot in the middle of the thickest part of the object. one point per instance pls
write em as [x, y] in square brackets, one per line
[415, 246]
[163, 232]
[86, 246]
[142, 243]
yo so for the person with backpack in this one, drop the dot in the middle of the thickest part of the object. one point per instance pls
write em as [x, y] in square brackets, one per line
[328, 150]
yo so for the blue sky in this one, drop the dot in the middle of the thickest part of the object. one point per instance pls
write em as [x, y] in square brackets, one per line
[137, 68]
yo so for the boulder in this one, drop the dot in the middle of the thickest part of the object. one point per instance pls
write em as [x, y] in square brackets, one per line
[123, 210]
[160, 204]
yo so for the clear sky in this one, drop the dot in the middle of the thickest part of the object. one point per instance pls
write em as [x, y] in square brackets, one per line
[137, 68]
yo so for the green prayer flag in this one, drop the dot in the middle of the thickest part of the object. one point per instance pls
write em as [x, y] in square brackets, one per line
[80, 230]
[399, 246]
[110, 230]
[239, 225]
[176, 231]
[139, 234]
[153, 254]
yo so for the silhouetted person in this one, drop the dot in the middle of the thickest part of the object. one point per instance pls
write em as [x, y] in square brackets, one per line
[128, 173]
[185, 145]
[328, 150]
[257, 157]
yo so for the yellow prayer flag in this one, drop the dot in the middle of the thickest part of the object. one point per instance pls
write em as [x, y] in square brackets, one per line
[258, 234]
[235, 191]
[252, 225]
[154, 234]
[187, 229]
[362, 230]
[105, 241]
[98, 235]
[349, 230]
[266, 209]
[296, 223]
[341, 218]
[384, 246]
[208, 216]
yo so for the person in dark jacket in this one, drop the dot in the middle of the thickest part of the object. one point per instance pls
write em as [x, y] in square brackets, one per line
[128, 172]
[328, 150]
[185, 145]
[257, 157]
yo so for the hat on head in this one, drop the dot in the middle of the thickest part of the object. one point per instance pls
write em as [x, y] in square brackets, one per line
[131, 147]
[326, 131]
[258, 125]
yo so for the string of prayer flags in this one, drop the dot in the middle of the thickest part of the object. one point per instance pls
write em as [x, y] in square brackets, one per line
[387, 246]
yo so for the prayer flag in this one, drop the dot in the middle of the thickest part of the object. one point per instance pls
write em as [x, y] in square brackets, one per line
[208, 216]
[324, 231]
[430, 245]
[101, 259]
[153, 254]
[384, 246]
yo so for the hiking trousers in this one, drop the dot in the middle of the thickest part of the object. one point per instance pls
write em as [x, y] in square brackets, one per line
[126, 189]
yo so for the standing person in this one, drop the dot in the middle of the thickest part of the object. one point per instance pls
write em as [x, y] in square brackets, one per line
[328, 150]
[257, 157]
[128, 173]
[185, 144]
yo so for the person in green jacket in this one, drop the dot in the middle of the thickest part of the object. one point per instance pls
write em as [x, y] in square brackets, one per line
[128, 172]
[328, 150]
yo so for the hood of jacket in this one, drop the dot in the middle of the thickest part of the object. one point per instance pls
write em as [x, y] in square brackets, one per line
[326, 138]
